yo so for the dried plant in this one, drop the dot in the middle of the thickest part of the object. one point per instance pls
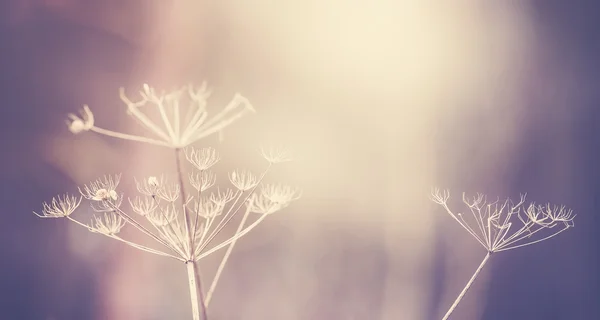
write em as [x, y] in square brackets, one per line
[500, 226]
[183, 114]
[183, 222]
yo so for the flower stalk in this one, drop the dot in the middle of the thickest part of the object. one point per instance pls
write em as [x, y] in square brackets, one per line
[466, 288]
[196, 295]
[193, 272]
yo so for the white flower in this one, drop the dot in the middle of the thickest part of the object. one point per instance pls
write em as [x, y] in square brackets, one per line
[102, 189]
[83, 123]
[152, 181]
[104, 194]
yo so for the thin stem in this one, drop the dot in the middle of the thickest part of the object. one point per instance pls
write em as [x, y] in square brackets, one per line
[198, 305]
[227, 218]
[133, 109]
[124, 136]
[167, 233]
[230, 240]
[141, 227]
[226, 257]
[197, 213]
[196, 296]
[133, 244]
[462, 223]
[144, 248]
[533, 242]
[165, 118]
[186, 214]
[464, 291]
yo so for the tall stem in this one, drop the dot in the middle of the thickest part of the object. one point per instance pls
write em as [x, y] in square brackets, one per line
[196, 295]
[225, 258]
[464, 291]
[186, 214]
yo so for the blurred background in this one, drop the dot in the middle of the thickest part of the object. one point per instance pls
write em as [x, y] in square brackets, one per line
[380, 100]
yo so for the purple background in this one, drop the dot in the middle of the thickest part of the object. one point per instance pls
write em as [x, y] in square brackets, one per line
[36, 260]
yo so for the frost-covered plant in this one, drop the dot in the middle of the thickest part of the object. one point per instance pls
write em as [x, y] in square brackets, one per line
[183, 218]
[500, 226]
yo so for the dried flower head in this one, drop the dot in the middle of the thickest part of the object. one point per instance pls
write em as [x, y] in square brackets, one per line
[84, 123]
[109, 224]
[150, 186]
[169, 191]
[163, 216]
[272, 198]
[500, 226]
[59, 207]
[276, 155]
[104, 194]
[208, 209]
[280, 194]
[183, 117]
[143, 206]
[203, 158]
[222, 197]
[203, 180]
[243, 179]
[102, 189]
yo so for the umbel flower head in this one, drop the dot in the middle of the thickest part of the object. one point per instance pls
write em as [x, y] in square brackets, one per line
[500, 226]
[183, 116]
[164, 207]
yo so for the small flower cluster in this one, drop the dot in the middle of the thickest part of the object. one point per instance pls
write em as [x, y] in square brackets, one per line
[183, 114]
[500, 226]
[164, 206]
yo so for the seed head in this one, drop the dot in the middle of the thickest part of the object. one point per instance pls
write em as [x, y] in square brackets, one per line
[109, 224]
[272, 198]
[144, 206]
[102, 189]
[150, 186]
[222, 198]
[163, 216]
[203, 180]
[276, 155]
[59, 207]
[203, 158]
[495, 225]
[243, 180]
[78, 124]
[208, 209]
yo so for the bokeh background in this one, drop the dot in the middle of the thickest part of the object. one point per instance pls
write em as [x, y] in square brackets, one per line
[380, 100]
